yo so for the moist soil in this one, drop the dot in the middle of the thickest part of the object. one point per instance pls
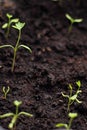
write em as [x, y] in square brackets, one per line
[57, 59]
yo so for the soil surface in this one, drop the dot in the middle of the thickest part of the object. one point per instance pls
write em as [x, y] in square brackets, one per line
[57, 59]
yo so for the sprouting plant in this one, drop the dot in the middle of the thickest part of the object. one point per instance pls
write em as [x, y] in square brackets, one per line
[68, 126]
[5, 91]
[10, 22]
[15, 115]
[72, 98]
[18, 26]
[72, 21]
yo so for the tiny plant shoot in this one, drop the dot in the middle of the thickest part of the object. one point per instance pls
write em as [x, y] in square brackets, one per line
[10, 22]
[5, 91]
[18, 26]
[72, 98]
[68, 126]
[15, 115]
[72, 21]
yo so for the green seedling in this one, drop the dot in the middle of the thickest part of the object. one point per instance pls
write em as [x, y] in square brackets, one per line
[5, 91]
[68, 126]
[11, 21]
[72, 21]
[18, 26]
[15, 115]
[72, 98]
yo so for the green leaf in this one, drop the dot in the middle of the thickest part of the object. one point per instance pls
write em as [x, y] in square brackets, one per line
[19, 25]
[17, 103]
[70, 86]
[78, 83]
[4, 25]
[26, 114]
[78, 101]
[13, 121]
[72, 115]
[6, 115]
[9, 15]
[64, 95]
[69, 17]
[78, 20]
[4, 46]
[14, 20]
[62, 125]
[79, 91]
[26, 47]
[73, 97]
[6, 90]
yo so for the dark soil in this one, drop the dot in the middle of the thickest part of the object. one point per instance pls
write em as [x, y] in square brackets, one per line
[57, 59]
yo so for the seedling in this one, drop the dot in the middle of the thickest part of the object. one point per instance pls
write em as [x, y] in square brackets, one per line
[15, 115]
[10, 22]
[72, 21]
[5, 91]
[68, 126]
[18, 26]
[72, 98]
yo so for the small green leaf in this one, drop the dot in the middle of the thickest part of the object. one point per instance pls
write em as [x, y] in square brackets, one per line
[26, 47]
[78, 83]
[78, 101]
[9, 15]
[73, 97]
[19, 25]
[69, 17]
[17, 103]
[13, 121]
[64, 95]
[72, 115]
[4, 25]
[26, 114]
[6, 115]
[78, 20]
[79, 91]
[4, 46]
[62, 125]
[70, 86]
[14, 20]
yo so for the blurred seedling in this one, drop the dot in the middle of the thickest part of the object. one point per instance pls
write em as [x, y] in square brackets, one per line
[72, 98]
[15, 115]
[18, 26]
[8, 25]
[72, 21]
[5, 91]
[68, 126]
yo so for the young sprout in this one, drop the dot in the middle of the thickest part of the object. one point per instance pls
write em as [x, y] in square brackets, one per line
[18, 26]
[72, 98]
[5, 91]
[15, 115]
[68, 126]
[72, 21]
[10, 22]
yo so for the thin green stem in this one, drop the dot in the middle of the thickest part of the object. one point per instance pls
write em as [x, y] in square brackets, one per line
[15, 50]
[16, 110]
[70, 123]
[14, 58]
[70, 28]
[19, 37]
[69, 102]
